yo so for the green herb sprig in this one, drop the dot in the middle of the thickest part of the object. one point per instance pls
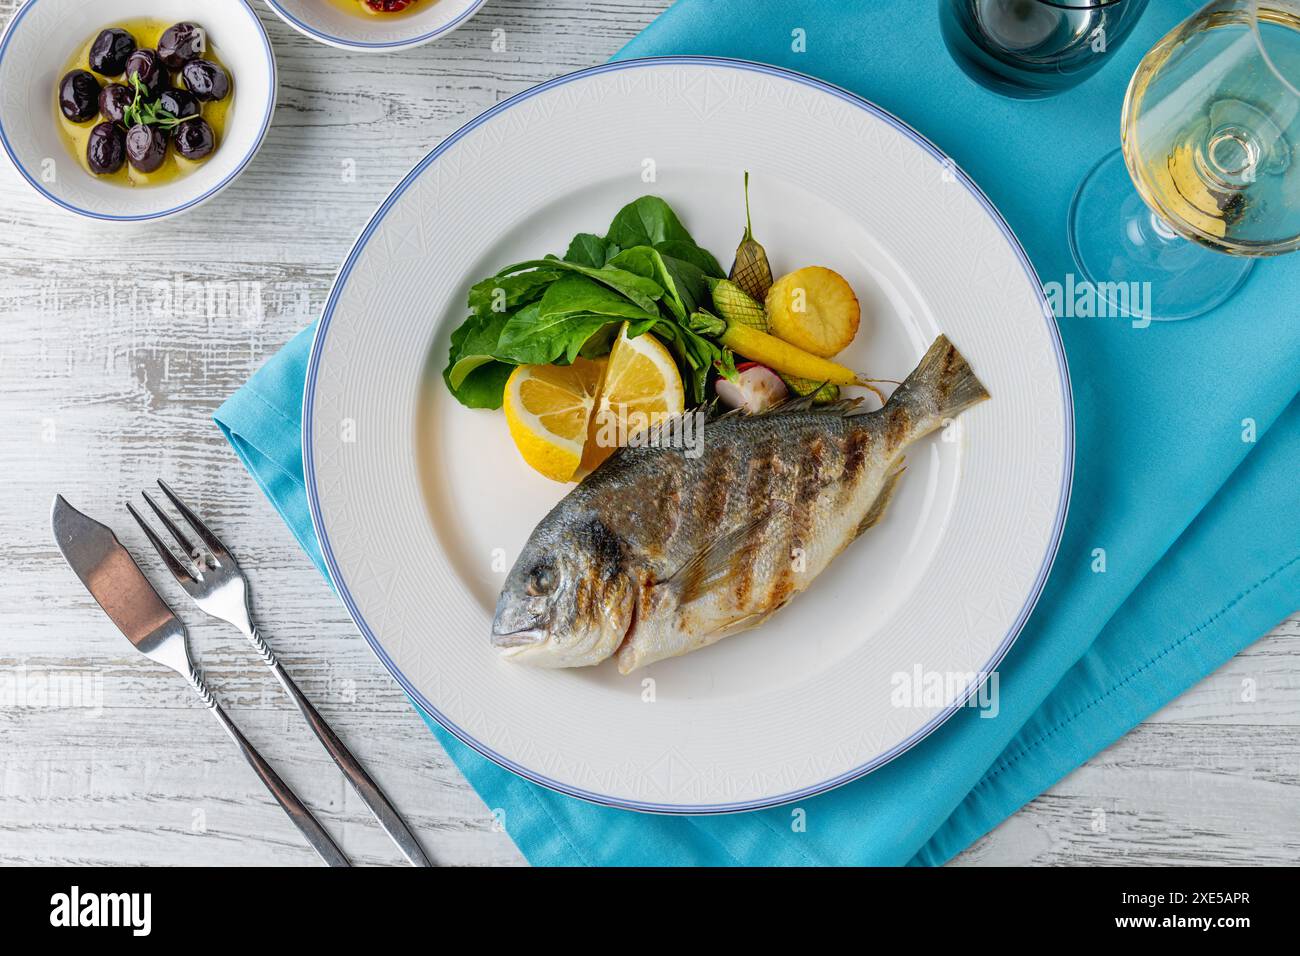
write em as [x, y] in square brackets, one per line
[142, 110]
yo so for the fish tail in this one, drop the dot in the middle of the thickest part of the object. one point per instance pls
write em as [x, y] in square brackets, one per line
[941, 387]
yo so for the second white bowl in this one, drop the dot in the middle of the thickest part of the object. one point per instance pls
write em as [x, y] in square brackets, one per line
[328, 22]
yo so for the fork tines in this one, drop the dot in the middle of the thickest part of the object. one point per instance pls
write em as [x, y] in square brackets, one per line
[195, 560]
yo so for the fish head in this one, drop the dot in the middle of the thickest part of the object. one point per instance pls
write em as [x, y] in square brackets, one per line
[569, 600]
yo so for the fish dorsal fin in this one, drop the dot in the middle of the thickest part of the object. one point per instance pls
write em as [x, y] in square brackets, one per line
[877, 509]
[791, 403]
[718, 412]
[705, 569]
[805, 403]
[795, 403]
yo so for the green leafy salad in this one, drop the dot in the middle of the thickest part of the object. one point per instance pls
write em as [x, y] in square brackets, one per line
[646, 271]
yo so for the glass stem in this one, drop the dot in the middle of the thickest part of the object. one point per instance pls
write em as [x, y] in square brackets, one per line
[1159, 231]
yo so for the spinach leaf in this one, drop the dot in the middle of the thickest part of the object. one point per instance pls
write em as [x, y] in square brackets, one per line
[484, 387]
[642, 290]
[702, 259]
[472, 345]
[589, 250]
[475, 338]
[638, 259]
[576, 293]
[472, 375]
[558, 327]
[646, 222]
[499, 294]
[529, 338]
[685, 287]
[685, 282]
[600, 343]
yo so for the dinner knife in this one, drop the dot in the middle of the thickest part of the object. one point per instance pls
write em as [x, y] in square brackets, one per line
[118, 585]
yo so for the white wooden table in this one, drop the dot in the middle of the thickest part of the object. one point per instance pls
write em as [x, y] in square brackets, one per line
[106, 758]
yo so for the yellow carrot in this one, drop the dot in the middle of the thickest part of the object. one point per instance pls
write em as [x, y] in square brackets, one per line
[781, 356]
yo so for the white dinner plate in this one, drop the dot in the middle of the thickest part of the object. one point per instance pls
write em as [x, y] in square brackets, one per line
[421, 505]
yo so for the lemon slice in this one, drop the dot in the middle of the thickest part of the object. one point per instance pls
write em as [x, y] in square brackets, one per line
[641, 387]
[548, 409]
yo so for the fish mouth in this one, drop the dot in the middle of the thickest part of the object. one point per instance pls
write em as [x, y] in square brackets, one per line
[524, 637]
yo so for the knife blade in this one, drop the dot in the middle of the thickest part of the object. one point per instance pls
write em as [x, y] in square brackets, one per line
[112, 577]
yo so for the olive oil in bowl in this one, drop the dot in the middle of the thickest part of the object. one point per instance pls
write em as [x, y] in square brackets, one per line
[75, 136]
[363, 10]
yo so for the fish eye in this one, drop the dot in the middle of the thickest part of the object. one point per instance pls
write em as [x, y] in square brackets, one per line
[541, 581]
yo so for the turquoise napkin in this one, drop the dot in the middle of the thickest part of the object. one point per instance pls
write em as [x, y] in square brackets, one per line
[1186, 477]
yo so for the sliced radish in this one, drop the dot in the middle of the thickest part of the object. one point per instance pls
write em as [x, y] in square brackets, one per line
[757, 389]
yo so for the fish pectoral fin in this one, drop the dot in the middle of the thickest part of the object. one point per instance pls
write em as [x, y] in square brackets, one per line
[748, 622]
[878, 507]
[713, 564]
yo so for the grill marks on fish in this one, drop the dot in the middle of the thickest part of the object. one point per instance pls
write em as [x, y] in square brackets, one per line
[606, 548]
[587, 593]
[762, 490]
[703, 508]
[812, 478]
[691, 550]
[857, 445]
[664, 506]
[713, 492]
[898, 428]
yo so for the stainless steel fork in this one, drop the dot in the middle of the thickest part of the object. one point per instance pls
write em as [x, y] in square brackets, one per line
[211, 577]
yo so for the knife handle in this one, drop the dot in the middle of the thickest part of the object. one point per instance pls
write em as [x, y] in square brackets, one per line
[302, 818]
[366, 788]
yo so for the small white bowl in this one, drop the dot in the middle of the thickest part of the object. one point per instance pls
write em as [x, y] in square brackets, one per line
[322, 20]
[34, 49]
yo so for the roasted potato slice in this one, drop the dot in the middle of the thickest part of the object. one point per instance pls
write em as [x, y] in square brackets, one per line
[815, 309]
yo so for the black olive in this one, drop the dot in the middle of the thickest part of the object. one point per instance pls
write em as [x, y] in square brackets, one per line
[106, 148]
[206, 80]
[148, 67]
[181, 43]
[109, 52]
[79, 96]
[114, 100]
[195, 139]
[146, 147]
[180, 103]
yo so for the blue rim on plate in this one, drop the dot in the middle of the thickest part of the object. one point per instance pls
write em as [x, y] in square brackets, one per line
[324, 37]
[309, 466]
[144, 217]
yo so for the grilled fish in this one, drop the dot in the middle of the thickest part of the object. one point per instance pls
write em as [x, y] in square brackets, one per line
[660, 552]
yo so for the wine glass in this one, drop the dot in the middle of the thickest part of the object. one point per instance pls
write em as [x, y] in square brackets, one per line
[1209, 139]
[1035, 48]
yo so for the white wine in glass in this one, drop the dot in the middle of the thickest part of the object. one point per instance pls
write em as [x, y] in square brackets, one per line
[1209, 134]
